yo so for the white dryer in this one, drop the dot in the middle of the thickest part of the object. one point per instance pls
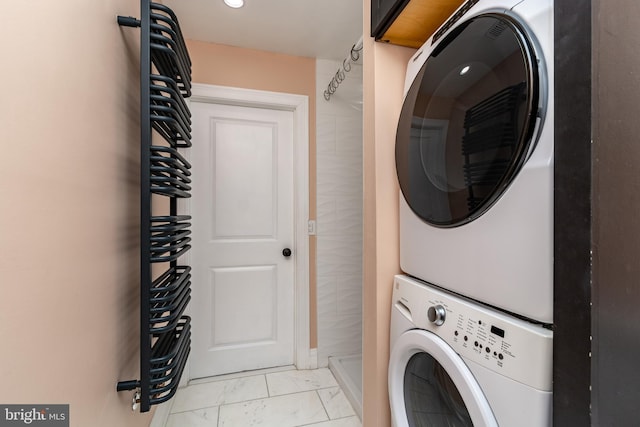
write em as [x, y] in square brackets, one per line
[456, 363]
[474, 157]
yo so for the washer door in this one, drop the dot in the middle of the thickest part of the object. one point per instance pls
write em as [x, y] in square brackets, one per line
[430, 385]
[467, 123]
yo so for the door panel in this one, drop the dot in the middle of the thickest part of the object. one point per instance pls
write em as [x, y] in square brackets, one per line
[249, 296]
[244, 182]
[242, 219]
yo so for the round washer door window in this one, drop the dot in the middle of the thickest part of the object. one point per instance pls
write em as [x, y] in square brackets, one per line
[430, 385]
[430, 396]
[467, 123]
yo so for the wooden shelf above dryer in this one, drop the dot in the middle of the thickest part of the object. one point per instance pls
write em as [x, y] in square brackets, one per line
[409, 23]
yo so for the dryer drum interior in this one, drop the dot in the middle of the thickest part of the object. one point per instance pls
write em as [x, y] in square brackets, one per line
[467, 123]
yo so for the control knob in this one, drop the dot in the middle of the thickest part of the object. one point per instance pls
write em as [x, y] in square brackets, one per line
[437, 314]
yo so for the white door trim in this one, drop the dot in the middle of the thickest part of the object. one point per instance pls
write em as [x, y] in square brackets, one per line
[299, 105]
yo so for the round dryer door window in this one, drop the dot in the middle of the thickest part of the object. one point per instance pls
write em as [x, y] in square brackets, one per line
[467, 123]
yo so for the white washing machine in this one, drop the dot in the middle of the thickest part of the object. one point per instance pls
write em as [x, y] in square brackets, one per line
[474, 157]
[456, 363]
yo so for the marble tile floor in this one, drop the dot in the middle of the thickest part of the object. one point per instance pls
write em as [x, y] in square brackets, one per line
[271, 398]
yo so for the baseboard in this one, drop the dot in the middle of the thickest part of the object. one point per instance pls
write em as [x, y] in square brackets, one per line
[313, 358]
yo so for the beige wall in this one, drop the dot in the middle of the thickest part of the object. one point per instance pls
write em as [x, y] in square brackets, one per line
[384, 72]
[254, 69]
[69, 215]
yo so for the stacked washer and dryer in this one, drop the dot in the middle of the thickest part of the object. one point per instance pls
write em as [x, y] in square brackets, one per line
[471, 340]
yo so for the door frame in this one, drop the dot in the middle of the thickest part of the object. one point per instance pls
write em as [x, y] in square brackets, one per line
[299, 106]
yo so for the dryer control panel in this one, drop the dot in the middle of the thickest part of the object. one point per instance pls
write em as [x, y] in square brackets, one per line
[505, 344]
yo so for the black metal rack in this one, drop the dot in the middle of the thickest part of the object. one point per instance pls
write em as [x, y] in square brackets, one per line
[165, 82]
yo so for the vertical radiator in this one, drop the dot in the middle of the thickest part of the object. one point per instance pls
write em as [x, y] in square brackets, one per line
[165, 82]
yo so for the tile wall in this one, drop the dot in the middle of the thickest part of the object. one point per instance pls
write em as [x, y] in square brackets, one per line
[339, 212]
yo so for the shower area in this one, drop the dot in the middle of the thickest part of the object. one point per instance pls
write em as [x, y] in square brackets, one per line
[339, 220]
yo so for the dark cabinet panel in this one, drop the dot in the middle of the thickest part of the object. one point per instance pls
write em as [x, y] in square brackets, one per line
[410, 22]
[383, 13]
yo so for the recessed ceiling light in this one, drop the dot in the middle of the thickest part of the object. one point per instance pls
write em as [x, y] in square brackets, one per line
[234, 3]
[464, 70]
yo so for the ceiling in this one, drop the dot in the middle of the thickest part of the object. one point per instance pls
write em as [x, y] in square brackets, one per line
[325, 29]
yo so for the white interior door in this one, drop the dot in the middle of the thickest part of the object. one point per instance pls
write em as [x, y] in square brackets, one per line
[243, 218]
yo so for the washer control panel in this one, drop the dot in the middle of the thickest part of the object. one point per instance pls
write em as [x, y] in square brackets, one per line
[511, 346]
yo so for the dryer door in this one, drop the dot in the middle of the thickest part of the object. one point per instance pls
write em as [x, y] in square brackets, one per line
[430, 385]
[467, 123]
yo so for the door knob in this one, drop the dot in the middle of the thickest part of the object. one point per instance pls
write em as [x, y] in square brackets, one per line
[286, 252]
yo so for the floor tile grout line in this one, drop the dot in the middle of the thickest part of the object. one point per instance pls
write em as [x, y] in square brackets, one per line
[277, 395]
[323, 406]
[344, 397]
[305, 391]
[266, 382]
[333, 419]
[270, 396]
[227, 403]
[258, 398]
[240, 375]
[195, 409]
[288, 394]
